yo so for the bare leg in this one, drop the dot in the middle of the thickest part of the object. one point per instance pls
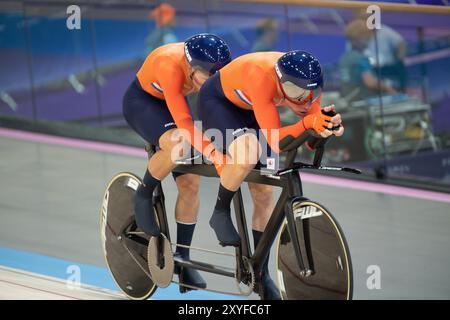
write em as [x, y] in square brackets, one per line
[262, 205]
[244, 151]
[158, 167]
[187, 205]
[186, 211]
[162, 162]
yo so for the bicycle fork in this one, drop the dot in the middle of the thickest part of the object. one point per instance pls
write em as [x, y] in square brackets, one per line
[301, 245]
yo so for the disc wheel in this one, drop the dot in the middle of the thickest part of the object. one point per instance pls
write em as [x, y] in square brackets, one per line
[116, 215]
[325, 243]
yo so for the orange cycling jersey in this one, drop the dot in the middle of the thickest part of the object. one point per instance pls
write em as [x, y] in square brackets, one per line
[165, 75]
[250, 82]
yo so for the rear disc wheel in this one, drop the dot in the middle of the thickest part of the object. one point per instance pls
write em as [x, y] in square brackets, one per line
[116, 215]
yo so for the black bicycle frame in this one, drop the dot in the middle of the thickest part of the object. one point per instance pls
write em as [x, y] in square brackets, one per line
[292, 192]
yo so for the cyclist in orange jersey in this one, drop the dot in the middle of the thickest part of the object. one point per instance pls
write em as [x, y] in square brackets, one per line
[243, 98]
[155, 107]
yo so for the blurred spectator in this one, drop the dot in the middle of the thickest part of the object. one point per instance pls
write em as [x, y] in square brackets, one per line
[391, 53]
[266, 33]
[164, 16]
[358, 79]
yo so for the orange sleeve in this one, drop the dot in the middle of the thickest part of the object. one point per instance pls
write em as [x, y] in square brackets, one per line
[171, 79]
[262, 90]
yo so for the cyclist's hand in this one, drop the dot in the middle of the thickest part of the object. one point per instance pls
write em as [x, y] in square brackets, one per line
[319, 122]
[336, 121]
[219, 160]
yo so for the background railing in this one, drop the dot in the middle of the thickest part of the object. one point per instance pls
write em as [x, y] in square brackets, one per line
[48, 72]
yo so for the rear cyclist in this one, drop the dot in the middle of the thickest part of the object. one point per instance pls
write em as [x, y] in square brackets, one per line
[155, 107]
[244, 95]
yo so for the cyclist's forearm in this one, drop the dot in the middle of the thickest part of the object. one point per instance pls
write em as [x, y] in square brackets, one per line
[185, 123]
[294, 130]
[194, 136]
